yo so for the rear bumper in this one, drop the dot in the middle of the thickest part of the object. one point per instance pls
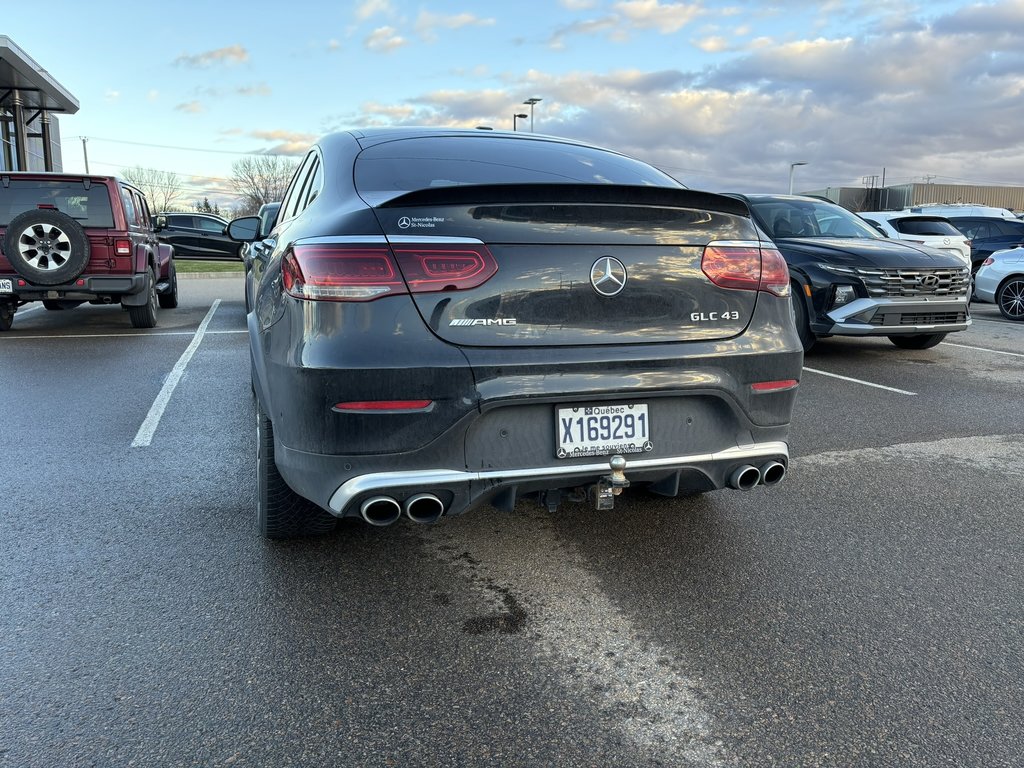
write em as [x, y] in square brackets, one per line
[888, 317]
[83, 288]
[463, 490]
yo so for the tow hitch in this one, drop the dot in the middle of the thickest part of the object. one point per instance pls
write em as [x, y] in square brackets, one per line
[608, 487]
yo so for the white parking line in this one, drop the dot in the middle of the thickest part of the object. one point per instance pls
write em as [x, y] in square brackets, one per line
[531, 578]
[982, 349]
[145, 434]
[117, 335]
[860, 381]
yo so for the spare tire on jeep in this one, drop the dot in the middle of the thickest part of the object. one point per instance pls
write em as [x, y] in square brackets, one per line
[46, 247]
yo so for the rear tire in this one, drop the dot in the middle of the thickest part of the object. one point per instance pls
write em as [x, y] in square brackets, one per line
[169, 300]
[280, 512]
[918, 341]
[800, 318]
[1010, 298]
[145, 316]
[6, 316]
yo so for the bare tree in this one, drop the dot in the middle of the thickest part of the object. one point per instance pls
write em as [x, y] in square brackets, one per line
[161, 188]
[260, 179]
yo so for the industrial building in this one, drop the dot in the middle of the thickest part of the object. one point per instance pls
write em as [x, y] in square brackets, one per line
[902, 196]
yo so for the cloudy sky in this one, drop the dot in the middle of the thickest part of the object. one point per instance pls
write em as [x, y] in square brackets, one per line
[724, 96]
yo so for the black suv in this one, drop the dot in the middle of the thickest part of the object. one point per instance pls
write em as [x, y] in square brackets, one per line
[849, 280]
[988, 234]
[67, 239]
[199, 236]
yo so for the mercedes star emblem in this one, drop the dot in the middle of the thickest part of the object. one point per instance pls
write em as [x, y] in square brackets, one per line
[608, 276]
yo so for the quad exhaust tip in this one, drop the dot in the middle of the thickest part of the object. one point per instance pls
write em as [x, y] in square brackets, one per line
[772, 473]
[424, 508]
[380, 510]
[745, 478]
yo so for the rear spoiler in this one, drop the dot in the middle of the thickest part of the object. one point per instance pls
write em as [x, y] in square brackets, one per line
[534, 194]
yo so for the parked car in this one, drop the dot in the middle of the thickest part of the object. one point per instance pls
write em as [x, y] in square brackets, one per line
[989, 235]
[68, 239]
[454, 318]
[253, 253]
[849, 280]
[924, 229]
[1000, 280]
[199, 236]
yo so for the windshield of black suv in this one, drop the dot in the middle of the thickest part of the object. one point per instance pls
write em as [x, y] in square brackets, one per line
[809, 218]
[90, 207]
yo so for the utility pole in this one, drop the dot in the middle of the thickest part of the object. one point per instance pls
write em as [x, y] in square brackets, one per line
[85, 153]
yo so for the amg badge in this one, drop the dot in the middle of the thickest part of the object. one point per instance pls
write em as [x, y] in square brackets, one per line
[461, 321]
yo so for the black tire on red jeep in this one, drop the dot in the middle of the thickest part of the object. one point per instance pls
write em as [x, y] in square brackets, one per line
[46, 247]
[169, 300]
[145, 316]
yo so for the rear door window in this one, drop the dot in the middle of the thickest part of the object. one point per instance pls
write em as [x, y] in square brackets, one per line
[923, 226]
[89, 207]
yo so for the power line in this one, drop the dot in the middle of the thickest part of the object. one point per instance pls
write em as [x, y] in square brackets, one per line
[184, 149]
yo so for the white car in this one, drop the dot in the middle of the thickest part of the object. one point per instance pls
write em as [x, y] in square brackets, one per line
[1000, 280]
[924, 228]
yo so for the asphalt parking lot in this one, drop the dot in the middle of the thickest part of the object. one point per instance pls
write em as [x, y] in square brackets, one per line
[868, 611]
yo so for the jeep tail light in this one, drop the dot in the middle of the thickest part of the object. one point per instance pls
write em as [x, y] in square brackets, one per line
[346, 272]
[123, 247]
[746, 267]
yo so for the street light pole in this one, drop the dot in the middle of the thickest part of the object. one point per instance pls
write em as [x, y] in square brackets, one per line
[518, 116]
[792, 167]
[531, 101]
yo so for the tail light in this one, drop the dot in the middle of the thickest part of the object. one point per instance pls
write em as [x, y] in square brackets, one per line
[988, 262]
[746, 267]
[123, 247]
[345, 272]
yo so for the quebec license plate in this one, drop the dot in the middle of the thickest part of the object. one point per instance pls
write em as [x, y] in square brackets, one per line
[6, 286]
[602, 430]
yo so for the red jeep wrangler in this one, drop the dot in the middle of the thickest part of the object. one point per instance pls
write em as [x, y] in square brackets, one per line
[66, 239]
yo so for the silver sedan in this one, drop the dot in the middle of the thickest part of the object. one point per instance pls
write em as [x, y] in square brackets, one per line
[1000, 280]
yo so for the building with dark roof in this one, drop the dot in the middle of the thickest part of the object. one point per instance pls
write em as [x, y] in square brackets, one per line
[30, 100]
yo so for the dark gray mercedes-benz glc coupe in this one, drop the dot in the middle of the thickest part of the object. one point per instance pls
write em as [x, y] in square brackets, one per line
[443, 319]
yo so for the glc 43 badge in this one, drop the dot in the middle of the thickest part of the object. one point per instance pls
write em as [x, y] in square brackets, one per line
[705, 317]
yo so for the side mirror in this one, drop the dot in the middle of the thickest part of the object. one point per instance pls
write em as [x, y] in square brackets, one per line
[245, 229]
[160, 223]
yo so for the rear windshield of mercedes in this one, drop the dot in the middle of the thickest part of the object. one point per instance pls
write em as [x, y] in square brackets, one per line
[386, 170]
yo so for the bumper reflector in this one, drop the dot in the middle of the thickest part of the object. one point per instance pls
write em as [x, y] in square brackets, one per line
[379, 406]
[761, 387]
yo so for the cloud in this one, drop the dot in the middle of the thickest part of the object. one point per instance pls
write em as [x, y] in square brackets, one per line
[713, 44]
[190, 107]
[584, 27]
[944, 98]
[231, 55]
[577, 5]
[259, 89]
[285, 142]
[427, 23]
[369, 8]
[153, 95]
[384, 40]
[664, 17]
[333, 45]
[112, 95]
